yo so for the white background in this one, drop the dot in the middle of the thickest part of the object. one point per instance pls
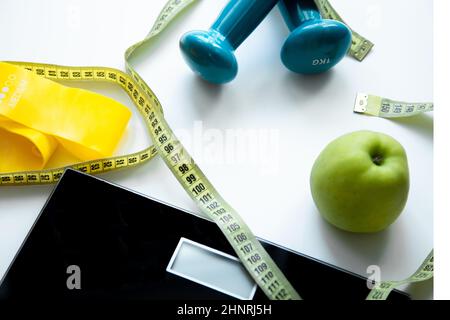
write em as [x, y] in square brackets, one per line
[306, 113]
[442, 152]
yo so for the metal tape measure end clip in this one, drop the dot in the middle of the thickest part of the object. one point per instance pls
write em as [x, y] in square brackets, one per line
[361, 103]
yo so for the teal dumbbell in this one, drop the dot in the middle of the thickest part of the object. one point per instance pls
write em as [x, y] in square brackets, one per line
[315, 45]
[210, 53]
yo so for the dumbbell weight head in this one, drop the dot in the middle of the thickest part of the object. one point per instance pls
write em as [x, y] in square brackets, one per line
[315, 45]
[210, 53]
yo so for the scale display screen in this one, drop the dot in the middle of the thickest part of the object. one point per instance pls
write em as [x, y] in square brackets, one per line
[212, 268]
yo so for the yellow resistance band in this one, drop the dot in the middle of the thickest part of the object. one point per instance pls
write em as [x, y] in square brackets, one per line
[37, 115]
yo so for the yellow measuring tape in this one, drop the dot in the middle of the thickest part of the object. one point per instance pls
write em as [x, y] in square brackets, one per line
[365, 103]
[252, 255]
[360, 46]
[40, 86]
[386, 108]
[425, 272]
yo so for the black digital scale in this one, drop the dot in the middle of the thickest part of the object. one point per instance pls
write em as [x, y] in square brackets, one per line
[95, 240]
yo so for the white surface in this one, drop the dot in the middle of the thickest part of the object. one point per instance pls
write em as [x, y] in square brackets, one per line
[442, 153]
[305, 113]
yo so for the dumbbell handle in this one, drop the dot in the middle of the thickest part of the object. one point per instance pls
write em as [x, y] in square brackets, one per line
[240, 17]
[295, 14]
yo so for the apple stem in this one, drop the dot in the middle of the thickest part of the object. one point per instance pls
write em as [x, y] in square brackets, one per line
[377, 159]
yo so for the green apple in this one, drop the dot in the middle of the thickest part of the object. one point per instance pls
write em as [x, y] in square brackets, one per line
[360, 181]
